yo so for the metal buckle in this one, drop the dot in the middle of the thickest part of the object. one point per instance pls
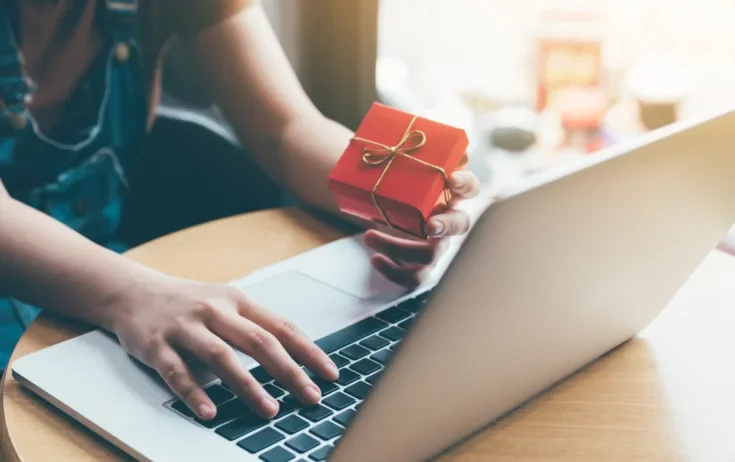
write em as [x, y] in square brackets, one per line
[18, 121]
[122, 6]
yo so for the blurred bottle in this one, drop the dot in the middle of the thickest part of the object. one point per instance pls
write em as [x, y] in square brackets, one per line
[568, 49]
[659, 87]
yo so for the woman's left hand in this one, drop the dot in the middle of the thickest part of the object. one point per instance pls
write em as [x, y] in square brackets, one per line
[407, 261]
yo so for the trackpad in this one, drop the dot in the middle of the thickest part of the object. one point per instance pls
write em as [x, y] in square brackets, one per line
[304, 300]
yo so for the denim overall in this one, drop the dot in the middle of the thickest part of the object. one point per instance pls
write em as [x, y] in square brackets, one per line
[76, 172]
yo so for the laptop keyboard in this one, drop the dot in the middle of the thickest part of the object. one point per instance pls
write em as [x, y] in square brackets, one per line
[303, 433]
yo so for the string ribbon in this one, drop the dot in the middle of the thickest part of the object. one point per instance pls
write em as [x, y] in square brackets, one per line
[384, 156]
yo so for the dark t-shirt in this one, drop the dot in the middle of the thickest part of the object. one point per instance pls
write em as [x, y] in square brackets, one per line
[60, 39]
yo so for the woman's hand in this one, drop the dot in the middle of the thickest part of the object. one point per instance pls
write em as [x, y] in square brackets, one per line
[166, 320]
[407, 261]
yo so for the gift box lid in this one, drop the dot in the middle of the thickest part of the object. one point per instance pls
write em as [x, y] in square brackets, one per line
[406, 181]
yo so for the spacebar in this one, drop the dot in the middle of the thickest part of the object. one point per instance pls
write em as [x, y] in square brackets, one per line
[350, 334]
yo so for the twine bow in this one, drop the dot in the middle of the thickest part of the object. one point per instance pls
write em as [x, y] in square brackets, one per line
[412, 141]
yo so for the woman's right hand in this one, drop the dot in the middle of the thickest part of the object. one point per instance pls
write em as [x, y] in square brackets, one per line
[160, 322]
[158, 319]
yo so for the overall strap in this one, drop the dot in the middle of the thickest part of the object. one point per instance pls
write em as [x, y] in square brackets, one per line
[122, 22]
[15, 87]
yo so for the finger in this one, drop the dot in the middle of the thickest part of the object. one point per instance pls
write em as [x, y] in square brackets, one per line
[409, 278]
[400, 249]
[223, 362]
[726, 247]
[464, 184]
[172, 369]
[265, 348]
[451, 223]
[293, 340]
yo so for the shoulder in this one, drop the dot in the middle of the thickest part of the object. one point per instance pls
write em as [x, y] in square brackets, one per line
[188, 17]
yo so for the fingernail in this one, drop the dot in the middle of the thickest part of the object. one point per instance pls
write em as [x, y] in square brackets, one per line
[206, 411]
[460, 179]
[331, 369]
[436, 228]
[313, 393]
[270, 405]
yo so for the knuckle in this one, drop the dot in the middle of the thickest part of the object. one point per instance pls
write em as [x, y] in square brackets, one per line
[207, 310]
[261, 340]
[313, 351]
[287, 329]
[236, 295]
[293, 373]
[217, 351]
[189, 393]
[150, 349]
[173, 373]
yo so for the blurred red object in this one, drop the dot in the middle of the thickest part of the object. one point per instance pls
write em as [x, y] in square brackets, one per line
[581, 111]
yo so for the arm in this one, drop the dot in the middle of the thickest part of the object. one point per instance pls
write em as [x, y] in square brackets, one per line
[154, 316]
[36, 251]
[257, 90]
[253, 83]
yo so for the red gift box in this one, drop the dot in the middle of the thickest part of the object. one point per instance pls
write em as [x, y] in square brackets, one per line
[396, 169]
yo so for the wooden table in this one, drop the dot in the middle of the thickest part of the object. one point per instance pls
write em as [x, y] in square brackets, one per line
[668, 395]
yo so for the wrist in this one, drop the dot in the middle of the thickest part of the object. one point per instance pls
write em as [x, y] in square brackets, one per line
[126, 298]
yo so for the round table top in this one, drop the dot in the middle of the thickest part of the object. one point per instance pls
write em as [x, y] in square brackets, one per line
[663, 396]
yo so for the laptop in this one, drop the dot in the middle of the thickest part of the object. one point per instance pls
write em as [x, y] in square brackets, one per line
[553, 274]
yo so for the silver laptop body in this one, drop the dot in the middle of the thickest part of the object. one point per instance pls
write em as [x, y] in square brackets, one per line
[553, 275]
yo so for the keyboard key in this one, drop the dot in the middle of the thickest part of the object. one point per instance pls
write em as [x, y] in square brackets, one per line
[414, 304]
[350, 334]
[359, 390]
[292, 424]
[229, 411]
[344, 417]
[374, 343]
[242, 426]
[355, 352]
[373, 379]
[424, 296]
[261, 375]
[339, 360]
[273, 390]
[393, 333]
[261, 440]
[321, 453]
[302, 443]
[347, 376]
[365, 367]
[285, 407]
[382, 356]
[291, 402]
[405, 325]
[183, 408]
[326, 430]
[218, 394]
[338, 401]
[277, 454]
[325, 386]
[393, 315]
[315, 413]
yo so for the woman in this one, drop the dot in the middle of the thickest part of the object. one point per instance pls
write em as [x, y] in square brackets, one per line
[79, 82]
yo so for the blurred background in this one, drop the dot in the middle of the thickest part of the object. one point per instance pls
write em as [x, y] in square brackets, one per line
[540, 82]
[534, 82]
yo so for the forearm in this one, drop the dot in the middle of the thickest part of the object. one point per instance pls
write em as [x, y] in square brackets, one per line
[310, 148]
[254, 85]
[46, 264]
